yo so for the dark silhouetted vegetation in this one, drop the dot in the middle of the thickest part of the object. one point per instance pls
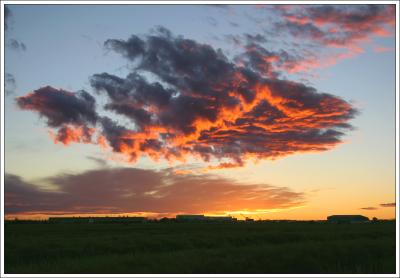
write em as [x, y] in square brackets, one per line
[171, 247]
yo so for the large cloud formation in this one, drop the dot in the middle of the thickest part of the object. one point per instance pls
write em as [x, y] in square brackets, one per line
[188, 99]
[121, 190]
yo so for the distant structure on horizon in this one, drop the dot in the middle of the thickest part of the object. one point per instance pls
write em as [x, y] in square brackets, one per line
[135, 219]
[200, 217]
[347, 219]
[96, 219]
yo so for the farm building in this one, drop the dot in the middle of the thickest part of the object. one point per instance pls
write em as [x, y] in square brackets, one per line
[97, 219]
[347, 219]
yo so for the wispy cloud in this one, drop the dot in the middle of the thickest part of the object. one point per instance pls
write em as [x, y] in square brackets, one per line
[11, 43]
[16, 45]
[212, 21]
[7, 15]
[340, 25]
[10, 84]
[337, 26]
[381, 49]
[369, 208]
[99, 161]
[121, 190]
[388, 205]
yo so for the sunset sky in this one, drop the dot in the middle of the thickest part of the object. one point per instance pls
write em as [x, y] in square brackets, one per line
[270, 111]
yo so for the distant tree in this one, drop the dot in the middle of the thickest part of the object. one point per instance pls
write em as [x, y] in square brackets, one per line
[374, 219]
[164, 219]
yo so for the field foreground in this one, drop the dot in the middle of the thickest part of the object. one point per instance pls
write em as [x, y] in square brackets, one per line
[203, 248]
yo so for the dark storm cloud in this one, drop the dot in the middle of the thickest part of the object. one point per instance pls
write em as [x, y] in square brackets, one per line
[129, 95]
[115, 134]
[60, 107]
[121, 190]
[73, 115]
[169, 58]
[200, 103]
[388, 205]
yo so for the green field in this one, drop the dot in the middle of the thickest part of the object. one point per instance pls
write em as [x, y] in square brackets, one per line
[259, 247]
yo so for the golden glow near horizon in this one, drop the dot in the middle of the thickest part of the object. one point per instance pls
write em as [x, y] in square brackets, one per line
[323, 196]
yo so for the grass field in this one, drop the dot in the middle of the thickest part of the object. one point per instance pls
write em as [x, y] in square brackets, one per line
[202, 248]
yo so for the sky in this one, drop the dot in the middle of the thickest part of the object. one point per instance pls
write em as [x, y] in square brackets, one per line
[266, 111]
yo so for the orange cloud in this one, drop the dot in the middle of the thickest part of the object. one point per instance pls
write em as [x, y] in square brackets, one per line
[336, 26]
[69, 134]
